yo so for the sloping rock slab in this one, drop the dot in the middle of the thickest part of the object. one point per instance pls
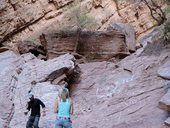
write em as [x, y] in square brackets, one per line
[19, 74]
[129, 34]
[125, 95]
[164, 103]
[37, 75]
[167, 122]
[164, 70]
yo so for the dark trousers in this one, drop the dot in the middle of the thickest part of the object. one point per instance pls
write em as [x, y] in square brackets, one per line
[33, 121]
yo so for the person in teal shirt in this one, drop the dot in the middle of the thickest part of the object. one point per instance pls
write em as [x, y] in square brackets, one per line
[64, 109]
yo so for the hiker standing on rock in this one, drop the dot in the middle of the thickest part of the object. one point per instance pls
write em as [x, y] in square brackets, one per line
[34, 105]
[64, 109]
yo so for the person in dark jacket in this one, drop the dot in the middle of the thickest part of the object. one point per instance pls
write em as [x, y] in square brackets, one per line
[34, 105]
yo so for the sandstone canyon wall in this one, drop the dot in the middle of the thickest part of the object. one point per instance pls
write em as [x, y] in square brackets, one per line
[119, 92]
[28, 19]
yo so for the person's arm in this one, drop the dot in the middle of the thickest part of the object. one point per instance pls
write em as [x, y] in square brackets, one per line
[28, 108]
[43, 107]
[71, 107]
[42, 104]
[56, 105]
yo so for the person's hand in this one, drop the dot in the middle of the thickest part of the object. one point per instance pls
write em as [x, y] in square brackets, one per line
[25, 113]
[43, 113]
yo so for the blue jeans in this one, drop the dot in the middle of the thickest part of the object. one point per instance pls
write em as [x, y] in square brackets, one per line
[63, 123]
[33, 121]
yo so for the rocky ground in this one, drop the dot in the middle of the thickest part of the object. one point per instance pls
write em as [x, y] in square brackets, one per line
[19, 74]
[132, 93]
[113, 82]
[123, 95]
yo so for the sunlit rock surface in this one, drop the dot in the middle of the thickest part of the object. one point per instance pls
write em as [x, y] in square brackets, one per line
[123, 95]
[19, 74]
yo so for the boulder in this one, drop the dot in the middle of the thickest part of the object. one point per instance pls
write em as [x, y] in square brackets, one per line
[102, 45]
[3, 49]
[32, 46]
[59, 43]
[164, 103]
[129, 32]
[93, 45]
[164, 70]
[167, 122]
[154, 35]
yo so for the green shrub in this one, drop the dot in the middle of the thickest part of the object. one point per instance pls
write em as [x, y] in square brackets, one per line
[167, 30]
[167, 10]
[78, 17]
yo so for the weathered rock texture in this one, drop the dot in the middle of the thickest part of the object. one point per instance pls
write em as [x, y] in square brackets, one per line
[102, 45]
[164, 103]
[17, 15]
[8, 82]
[152, 43]
[123, 95]
[60, 43]
[29, 46]
[164, 70]
[99, 45]
[129, 33]
[151, 37]
[19, 74]
[30, 18]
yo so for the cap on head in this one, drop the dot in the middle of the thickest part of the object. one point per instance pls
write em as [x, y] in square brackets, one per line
[30, 94]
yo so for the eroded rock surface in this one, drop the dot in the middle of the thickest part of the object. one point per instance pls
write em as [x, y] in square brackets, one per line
[102, 45]
[164, 102]
[19, 74]
[8, 76]
[164, 70]
[98, 45]
[30, 18]
[125, 95]
[129, 33]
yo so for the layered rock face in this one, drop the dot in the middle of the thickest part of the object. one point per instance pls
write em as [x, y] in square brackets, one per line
[30, 18]
[27, 21]
[128, 94]
[16, 15]
[102, 45]
[19, 74]
[58, 43]
[99, 45]
[123, 95]
[93, 45]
